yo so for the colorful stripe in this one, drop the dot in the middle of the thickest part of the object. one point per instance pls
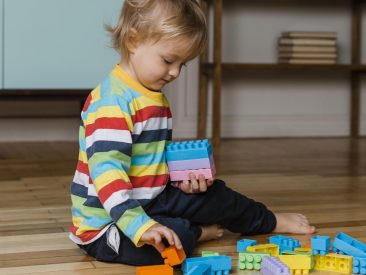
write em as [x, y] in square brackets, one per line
[122, 165]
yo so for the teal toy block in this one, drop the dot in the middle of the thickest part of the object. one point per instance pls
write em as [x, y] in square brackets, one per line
[251, 260]
[218, 264]
[284, 242]
[359, 265]
[202, 269]
[188, 150]
[320, 244]
[346, 245]
[241, 245]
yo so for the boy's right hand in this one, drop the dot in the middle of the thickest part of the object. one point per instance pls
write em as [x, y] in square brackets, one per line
[154, 235]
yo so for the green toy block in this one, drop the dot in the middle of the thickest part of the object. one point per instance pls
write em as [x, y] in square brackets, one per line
[207, 253]
[251, 260]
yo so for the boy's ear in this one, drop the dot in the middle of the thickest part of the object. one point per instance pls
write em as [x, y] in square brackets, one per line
[131, 41]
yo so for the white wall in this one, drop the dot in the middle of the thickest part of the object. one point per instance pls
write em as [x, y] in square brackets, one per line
[278, 104]
[255, 104]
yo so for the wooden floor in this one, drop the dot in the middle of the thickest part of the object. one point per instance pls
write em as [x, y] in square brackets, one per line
[322, 178]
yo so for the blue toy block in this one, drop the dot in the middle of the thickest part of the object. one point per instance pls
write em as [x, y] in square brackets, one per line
[219, 264]
[344, 244]
[241, 245]
[320, 245]
[284, 242]
[187, 150]
[202, 269]
[359, 265]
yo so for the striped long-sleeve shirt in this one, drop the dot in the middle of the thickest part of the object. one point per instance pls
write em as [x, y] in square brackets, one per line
[121, 167]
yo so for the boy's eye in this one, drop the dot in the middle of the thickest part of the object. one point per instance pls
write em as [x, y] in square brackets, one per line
[167, 61]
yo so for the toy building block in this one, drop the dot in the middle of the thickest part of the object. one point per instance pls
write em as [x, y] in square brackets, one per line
[251, 260]
[241, 245]
[334, 262]
[307, 253]
[207, 253]
[284, 243]
[173, 256]
[202, 269]
[308, 245]
[154, 270]
[344, 244]
[298, 264]
[184, 174]
[187, 157]
[273, 266]
[320, 244]
[359, 265]
[188, 150]
[190, 164]
[303, 249]
[273, 249]
[219, 264]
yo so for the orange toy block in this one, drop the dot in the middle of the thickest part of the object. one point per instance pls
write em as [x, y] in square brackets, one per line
[154, 270]
[308, 245]
[173, 256]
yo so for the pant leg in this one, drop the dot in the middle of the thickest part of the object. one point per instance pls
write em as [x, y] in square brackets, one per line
[108, 249]
[220, 205]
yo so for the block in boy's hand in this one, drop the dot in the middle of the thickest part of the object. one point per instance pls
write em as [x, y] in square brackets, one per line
[173, 256]
[187, 157]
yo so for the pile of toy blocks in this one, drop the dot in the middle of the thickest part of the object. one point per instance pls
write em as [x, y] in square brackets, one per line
[185, 157]
[209, 263]
[171, 256]
[284, 255]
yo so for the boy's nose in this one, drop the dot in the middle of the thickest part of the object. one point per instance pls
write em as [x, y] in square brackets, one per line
[174, 72]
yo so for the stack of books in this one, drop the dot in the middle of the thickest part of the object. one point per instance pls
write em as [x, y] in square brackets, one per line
[307, 47]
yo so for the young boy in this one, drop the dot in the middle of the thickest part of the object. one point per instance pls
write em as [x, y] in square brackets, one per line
[124, 207]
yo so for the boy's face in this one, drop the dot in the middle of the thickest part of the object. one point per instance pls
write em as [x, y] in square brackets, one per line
[154, 65]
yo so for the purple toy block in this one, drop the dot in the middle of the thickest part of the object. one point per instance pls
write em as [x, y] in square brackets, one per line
[184, 175]
[320, 244]
[191, 164]
[273, 266]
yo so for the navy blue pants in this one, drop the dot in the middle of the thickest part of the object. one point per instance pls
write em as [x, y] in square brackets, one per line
[183, 213]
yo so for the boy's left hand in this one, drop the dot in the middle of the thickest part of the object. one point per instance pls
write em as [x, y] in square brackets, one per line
[195, 185]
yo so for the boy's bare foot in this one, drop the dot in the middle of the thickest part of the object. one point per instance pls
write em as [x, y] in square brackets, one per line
[211, 232]
[293, 223]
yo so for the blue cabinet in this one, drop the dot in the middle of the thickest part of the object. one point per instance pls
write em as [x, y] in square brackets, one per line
[57, 43]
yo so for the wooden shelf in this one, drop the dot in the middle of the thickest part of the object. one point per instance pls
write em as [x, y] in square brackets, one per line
[361, 68]
[54, 95]
[44, 94]
[213, 71]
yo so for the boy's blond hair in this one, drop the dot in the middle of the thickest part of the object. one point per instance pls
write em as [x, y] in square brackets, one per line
[151, 20]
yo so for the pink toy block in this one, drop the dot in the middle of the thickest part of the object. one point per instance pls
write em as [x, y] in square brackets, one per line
[184, 175]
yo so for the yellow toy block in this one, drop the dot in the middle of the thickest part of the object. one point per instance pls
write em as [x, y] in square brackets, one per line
[298, 264]
[272, 249]
[303, 249]
[334, 262]
[309, 254]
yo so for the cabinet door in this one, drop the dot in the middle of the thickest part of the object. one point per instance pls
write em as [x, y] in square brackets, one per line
[58, 44]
